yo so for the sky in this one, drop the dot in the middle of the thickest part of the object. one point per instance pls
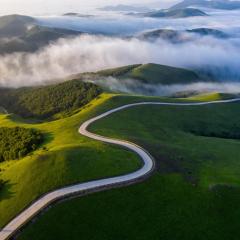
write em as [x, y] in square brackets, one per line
[42, 7]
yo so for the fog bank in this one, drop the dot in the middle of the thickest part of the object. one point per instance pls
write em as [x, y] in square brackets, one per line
[135, 87]
[92, 53]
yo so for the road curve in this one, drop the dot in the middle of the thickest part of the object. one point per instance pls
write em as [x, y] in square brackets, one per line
[148, 166]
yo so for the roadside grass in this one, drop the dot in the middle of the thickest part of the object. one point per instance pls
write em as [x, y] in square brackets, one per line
[193, 195]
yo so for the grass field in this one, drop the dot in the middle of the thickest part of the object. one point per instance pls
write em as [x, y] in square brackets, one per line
[193, 195]
[64, 158]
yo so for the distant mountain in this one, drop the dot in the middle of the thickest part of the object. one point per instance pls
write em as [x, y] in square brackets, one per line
[176, 13]
[125, 8]
[209, 32]
[164, 34]
[218, 4]
[176, 36]
[15, 25]
[73, 14]
[23, 34]
[43, 35]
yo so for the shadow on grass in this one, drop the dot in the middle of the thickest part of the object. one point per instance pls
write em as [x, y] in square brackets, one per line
[47, 138]
[5, 192]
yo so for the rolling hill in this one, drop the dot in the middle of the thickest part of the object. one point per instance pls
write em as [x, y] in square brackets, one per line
[218, 4]
[65, 157]
[152, 74]
[141, 79]
[193, 193]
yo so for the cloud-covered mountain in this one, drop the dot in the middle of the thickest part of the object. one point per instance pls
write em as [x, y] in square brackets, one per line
[177, 36]
[15, 25]
[218, 4]
[196, 43]
[23, 34]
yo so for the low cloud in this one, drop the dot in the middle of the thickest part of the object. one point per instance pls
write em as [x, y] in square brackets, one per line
[122, 25]
[135, 87]
[91, 53]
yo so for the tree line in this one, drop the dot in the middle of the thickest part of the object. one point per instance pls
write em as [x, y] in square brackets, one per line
[46, 101]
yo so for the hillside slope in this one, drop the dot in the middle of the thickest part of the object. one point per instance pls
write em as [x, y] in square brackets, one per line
[153, 74]
[47, 101]
[194, 193]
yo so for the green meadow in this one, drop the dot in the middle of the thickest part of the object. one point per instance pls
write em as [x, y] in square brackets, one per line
[194, 193]
[64, 158]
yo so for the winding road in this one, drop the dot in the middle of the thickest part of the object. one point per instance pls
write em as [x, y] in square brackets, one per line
[92, 186]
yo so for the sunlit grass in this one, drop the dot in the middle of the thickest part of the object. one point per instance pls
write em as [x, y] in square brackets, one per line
[194, 194]
[66, 157]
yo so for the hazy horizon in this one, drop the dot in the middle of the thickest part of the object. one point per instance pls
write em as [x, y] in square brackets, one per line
[41, 7]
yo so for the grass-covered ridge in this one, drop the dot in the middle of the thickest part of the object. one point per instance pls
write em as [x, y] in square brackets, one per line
[194, 194]
[64, 158]
[146, 74]
[17, 142]
[160, 74]
[153, 74]
[48, 101]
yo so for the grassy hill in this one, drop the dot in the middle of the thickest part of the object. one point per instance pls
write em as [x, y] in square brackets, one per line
[194, 193]
[48, 102]
[65, 157]
[176, 13]
[141, 78]
[160, 74]
[153, 74]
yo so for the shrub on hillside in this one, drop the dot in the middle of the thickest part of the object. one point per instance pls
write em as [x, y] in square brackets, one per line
[17, 142]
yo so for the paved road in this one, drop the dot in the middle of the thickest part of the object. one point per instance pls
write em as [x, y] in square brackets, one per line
[148, 166]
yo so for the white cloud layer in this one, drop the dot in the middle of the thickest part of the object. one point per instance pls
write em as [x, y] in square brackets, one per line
[92, 53]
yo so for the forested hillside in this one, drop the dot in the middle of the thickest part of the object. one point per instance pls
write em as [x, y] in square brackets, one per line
[44, 102]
